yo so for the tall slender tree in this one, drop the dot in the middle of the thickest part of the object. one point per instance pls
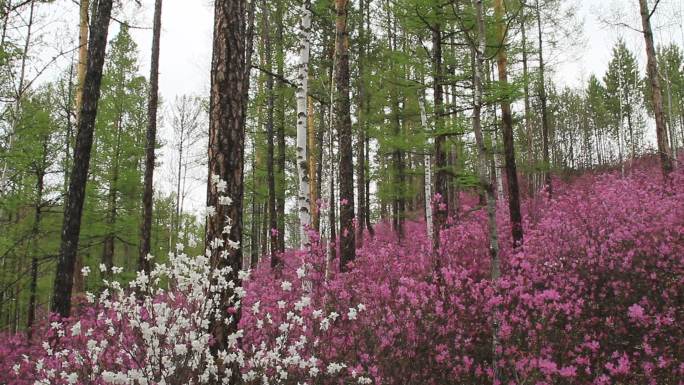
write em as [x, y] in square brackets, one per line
[344, 132]
[303, 197]
[656, 92]
[151, 142]
[61, 301]
[507, 128]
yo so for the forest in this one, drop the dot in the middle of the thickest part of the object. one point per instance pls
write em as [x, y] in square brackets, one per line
[387, 192]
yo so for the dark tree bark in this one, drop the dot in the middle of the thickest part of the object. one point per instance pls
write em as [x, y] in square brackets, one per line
[344, 132]
[226, 159]
[507, 126]
[151, 143]
[273, 214]
[362, 116]
[61, 301]
[35, 230]
[656, 92]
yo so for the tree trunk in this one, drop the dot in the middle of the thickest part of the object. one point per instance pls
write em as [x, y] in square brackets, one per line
[485, 181]
[543, 99]
[270, 164]
[656, 94]
[226, 161]
[361, 122]
[507, 126]
[146, 228]
[61, 301]
[441, 189]
[428, 170]
[312, 163]
[344, 132]
[304, 197]
[280, 161]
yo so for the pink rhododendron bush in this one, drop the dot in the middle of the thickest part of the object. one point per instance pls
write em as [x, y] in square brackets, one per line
[594, 296]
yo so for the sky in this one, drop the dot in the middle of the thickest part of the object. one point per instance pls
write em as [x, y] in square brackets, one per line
[187, 35]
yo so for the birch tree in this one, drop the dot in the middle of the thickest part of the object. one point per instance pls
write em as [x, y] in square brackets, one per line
[303, 197]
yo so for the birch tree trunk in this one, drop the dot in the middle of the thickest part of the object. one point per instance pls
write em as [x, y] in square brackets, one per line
[304, 197]
[428, 169]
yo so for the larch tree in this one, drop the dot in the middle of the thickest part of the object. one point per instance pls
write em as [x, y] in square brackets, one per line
[344, 132]
[656, 92]
[61, 301]
[507, 128]
[151, 142]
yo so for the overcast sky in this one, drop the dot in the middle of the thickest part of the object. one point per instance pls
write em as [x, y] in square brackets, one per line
[187, 32]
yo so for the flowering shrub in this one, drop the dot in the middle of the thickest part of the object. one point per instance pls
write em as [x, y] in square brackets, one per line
[594, 296]
[157, 332]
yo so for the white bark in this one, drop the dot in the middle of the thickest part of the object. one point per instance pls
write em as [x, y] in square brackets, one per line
[485, 181]
[428, 171]
[303, 199]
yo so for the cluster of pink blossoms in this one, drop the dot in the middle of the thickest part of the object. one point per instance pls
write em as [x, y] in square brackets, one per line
[595, 296]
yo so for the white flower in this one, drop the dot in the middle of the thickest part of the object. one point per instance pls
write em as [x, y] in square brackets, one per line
[352, 313]
[225, 201]
[361, 307]
[255, 307]
[76, 329]
[180, 349]
[334, 368]
[209, 211]
[221, 186]
[103, 267]
[286, 285]
[313, 372]
[301, 272]
[85, 271]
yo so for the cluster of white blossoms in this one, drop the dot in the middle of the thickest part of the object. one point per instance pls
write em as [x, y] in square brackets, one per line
[157, 330]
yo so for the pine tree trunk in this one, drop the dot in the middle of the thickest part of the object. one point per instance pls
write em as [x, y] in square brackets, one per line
[304, 197]
[344, 132]
[656, 92]
[226, 161]
[61, 301]
[151, 138]
[507, 126]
